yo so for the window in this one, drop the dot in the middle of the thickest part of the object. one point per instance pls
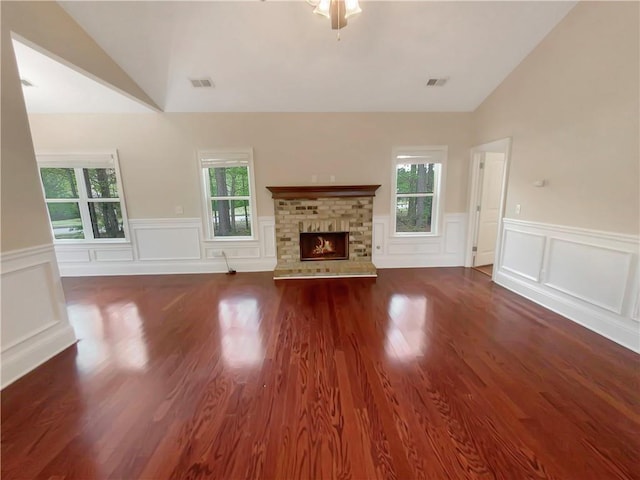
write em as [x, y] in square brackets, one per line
[417, 190]
[83, 197]
[228, 186]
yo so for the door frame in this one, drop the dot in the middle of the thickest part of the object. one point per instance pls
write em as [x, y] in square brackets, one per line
[500, 146]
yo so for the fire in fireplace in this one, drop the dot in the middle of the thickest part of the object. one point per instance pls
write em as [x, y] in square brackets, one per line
[324, 246]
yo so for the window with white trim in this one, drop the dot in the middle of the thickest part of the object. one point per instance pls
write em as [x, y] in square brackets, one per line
[417, 187]
[228, 187]
[84, 199]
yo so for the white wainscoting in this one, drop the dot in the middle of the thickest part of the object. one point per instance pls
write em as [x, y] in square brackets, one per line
[176, 245]
[445, 250]
[589, 276]
[169, 245]
[35, 326]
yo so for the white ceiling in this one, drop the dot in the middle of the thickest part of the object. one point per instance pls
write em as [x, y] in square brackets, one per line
[58, 88]
[278, 56]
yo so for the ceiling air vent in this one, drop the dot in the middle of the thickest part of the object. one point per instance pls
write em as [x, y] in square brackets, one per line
[201, 82]
[437, 82]
[26, 83]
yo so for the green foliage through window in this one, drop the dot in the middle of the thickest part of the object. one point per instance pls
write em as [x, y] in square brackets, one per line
[101, 182]
[229, 181]
[229, 192]
[415, 178]
[59, 182]
[66, 220]
[95, 213]
[416, 185]
[106, 219]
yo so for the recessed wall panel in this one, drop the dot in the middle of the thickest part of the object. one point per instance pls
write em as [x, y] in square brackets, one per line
[594, 274]
[522, 254]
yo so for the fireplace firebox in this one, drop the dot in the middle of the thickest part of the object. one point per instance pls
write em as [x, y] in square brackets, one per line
[324, 246]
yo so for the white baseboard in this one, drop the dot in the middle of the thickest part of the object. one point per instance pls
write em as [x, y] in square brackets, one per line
[601, 322]
[590, 277]
[35, 326]
[17, 362]
[167, 267]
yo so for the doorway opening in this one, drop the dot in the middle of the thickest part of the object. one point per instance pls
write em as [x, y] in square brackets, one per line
[488, 184]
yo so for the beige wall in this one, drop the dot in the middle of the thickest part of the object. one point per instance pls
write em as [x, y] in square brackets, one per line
[158, 151]
[49, 27]
[24, 220]
[571, 108]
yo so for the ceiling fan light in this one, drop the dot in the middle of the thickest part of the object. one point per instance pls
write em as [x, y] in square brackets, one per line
[323, 8]
[352, 7]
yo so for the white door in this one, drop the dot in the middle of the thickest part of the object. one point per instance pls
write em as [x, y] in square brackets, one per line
[489, 195]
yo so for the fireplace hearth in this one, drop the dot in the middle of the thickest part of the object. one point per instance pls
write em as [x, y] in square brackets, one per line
[320, 246]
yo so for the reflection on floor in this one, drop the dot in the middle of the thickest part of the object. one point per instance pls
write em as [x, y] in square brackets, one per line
[423, 373]
[486, 269]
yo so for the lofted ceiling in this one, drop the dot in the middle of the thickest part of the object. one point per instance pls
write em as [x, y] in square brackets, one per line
[279, 56]
[58, 88]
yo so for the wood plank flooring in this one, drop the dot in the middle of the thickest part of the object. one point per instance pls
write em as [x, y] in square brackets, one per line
[420, 374]
[486, 269]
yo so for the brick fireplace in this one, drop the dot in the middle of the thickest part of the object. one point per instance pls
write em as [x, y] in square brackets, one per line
[311, 223]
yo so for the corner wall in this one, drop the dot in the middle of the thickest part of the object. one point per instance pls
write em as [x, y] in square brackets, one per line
[33, 322]
[571, 109]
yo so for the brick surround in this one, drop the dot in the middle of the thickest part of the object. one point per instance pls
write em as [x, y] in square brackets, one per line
[353, 214]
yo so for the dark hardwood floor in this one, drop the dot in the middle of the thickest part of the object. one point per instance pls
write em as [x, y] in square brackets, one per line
[424, 373]
[486, 269]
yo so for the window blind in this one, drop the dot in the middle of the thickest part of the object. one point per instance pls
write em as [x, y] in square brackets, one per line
[81, 160]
